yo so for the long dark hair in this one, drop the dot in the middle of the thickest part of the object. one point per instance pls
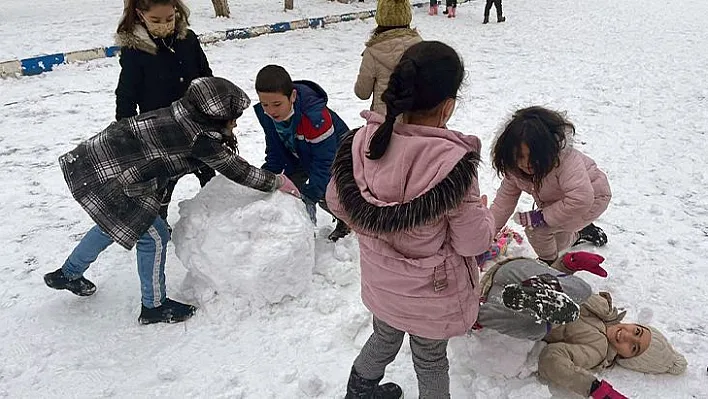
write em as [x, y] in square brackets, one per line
[130, 16]
[429, 73]
[544, 131]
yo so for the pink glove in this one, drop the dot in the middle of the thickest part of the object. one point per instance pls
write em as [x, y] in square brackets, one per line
[530, 219]
[605, 391]
[287, 186]
[581, 260]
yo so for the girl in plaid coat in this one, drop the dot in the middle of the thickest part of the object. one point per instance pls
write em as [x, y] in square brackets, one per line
[119, 177]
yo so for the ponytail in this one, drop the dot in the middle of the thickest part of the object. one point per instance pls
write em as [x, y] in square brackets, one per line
[429, 73]
[399, 98]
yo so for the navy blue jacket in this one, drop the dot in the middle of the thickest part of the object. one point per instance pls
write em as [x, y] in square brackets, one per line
[317, 132]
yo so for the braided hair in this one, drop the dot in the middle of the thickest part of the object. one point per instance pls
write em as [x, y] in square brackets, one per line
[428, 73]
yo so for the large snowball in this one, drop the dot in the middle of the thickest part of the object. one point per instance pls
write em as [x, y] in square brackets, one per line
[243, 243]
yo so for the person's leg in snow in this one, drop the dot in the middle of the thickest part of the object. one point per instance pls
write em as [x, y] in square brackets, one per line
[525, 324]
[369, 367]
[71, 275]
[431, 367]
[547, 241]
[487, 8]
[500, 15]
[151, 253]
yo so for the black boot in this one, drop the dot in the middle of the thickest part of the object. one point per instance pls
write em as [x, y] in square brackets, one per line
[169, 312]
[593, 234]
[79, 286]
[547, 304]
[359, 387]
[502, 19]
[486, 19]
[340, 231]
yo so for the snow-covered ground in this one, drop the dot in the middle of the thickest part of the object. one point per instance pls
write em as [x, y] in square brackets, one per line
[630, 74]
[59, 26]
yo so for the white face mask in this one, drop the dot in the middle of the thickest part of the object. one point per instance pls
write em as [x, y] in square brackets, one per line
[290, 114]
[159, 30]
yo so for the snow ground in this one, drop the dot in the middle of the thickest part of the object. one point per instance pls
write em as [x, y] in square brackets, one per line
[64, 25]
[631, 76]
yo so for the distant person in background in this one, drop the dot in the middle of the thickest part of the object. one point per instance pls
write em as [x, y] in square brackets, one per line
[302, 135]
[384, 49]
[451, 8]
[498, 5]
[433, 7]
[159, 58]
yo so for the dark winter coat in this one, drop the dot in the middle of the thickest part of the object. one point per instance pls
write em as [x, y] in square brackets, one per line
[317, 132]
[156, 72]
[118, 175]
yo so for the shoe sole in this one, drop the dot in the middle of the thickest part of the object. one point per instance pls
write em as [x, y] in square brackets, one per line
[548, 305]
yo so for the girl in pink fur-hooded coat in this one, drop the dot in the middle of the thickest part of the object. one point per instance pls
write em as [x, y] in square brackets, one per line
[410, 192]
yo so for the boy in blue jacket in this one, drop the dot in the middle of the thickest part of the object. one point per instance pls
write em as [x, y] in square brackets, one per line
[302, 135]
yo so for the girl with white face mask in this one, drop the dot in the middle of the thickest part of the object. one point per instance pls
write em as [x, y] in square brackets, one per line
[159, 58]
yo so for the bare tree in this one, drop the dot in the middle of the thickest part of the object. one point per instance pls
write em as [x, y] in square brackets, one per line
[221, 7]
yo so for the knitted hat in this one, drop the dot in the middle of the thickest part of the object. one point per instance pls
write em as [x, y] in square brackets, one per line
[658, 358]
[393, 13]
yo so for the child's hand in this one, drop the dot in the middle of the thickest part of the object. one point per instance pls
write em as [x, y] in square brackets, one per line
[530, 219]
[287, 186]
[605, 391]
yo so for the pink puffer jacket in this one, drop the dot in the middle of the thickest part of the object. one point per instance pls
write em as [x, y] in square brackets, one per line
[419, 222]
[572, 195]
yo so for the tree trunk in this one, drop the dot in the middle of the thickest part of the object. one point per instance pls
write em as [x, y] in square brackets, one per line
[221, 8]
[288, 4]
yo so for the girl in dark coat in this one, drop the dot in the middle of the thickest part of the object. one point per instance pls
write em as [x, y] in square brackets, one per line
[159, 58]
[118, 177]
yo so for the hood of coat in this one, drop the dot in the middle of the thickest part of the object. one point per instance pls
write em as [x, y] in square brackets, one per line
[140, 39]
[387, 47]
[425, 173]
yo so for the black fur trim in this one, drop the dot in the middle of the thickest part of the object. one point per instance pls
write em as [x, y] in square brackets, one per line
[444, 197]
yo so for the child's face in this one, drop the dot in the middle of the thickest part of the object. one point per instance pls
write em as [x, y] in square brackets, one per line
[277, 105]
[523, 159]
[629, 340]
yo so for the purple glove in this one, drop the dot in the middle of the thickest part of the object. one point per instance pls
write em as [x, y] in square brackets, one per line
[605, 391]
[287, 186]
[530, 219]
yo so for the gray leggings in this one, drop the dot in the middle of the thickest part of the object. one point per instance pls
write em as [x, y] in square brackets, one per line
[494, 315]
[429, 359]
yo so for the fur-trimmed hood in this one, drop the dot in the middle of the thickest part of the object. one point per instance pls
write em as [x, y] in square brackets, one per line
[425, 173]
[140, 39]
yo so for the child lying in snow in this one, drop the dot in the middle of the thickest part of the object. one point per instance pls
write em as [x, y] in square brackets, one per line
[527, 299]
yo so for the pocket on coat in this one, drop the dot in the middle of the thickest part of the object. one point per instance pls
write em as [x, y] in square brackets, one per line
[141, 189]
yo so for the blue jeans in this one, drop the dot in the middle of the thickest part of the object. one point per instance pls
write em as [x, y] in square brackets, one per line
[151, 249]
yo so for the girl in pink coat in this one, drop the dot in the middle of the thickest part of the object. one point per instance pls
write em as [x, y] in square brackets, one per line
[410, 192]
[532, 156]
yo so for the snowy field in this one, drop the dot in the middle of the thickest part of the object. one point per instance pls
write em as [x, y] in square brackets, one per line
[631, 75]
[66, 25]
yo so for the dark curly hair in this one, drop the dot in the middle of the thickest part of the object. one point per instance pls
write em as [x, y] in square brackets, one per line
[544, 131]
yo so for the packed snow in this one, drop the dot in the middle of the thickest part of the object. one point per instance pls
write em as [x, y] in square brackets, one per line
[630, 74]
[241, 243]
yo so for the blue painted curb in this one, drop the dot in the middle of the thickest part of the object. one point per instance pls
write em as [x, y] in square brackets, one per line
[46, 63]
